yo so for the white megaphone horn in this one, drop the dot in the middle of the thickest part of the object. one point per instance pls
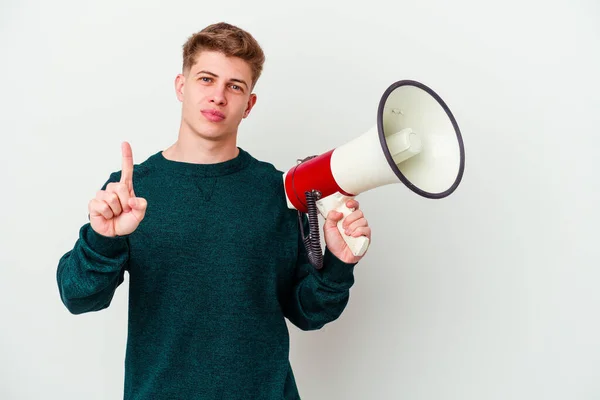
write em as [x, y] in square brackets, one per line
[416, 141]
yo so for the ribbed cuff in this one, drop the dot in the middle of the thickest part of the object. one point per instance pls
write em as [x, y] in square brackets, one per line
[336, 270]
[109, 247]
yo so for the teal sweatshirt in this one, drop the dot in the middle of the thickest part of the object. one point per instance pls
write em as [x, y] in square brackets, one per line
[214, 269]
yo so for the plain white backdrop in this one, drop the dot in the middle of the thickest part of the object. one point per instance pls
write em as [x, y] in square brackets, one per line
[491, 293]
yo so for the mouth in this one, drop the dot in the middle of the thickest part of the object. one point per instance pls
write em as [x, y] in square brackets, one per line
[213, 115]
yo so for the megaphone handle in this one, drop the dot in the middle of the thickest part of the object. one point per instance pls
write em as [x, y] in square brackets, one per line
[337, 202]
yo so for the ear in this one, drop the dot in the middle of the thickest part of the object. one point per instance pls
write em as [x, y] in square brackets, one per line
[251, 103]
[179, 86]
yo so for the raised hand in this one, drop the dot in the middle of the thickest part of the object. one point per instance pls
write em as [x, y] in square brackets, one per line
[116, 211]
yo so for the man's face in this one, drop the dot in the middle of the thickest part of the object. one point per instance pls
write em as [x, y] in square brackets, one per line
[216, 95]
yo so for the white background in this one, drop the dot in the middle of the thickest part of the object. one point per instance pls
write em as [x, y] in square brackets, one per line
[491, 293]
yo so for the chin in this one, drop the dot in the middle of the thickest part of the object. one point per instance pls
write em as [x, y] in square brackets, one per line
[212, 132]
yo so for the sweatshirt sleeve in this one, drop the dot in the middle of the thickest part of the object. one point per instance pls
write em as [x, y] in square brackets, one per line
[89, 274]
[318, 296]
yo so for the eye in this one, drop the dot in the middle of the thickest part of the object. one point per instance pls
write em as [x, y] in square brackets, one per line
[205, 79]
[236, 87]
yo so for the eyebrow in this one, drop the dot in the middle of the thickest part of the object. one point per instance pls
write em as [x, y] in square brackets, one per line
[216, 76]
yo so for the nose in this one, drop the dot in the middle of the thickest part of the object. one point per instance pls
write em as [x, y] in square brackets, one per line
[218, 96]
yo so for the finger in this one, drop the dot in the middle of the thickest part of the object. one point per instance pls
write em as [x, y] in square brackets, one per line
[353, 216]
[100, 208]
[123, 193]
[138, 207]
[352, 204]
[112, 199]
[356, 224]
[362, 231]
[127, 165]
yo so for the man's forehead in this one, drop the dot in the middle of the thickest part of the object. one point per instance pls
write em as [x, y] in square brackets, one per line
[221, 65]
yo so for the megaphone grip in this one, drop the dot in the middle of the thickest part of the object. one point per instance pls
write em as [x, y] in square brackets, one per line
[337, 202]
[358, 245]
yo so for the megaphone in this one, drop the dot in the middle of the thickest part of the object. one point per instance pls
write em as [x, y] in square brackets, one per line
[416, 141]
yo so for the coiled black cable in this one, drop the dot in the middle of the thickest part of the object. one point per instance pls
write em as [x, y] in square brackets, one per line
[312, 241]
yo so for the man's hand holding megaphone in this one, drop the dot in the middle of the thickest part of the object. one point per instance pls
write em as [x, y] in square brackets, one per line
[355, 225]
[116, 211]
[415, 141]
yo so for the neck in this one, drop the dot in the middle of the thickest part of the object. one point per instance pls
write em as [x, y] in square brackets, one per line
[198, 150]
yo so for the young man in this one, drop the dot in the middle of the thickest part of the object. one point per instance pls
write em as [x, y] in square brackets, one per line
[215, 259]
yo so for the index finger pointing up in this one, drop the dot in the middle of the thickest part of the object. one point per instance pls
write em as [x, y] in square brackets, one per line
[127, 166]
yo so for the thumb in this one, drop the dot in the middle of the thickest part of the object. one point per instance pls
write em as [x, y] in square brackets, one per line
[333, 217]
[138, 206]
